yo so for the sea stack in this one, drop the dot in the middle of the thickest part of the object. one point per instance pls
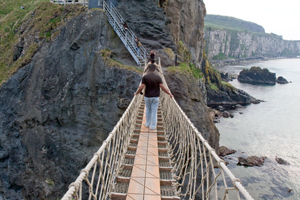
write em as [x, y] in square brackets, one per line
[256, 75]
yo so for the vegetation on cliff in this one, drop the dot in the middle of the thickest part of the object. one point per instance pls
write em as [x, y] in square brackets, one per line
[186, 66]
[218, 91]
[225, 22]
[106, 56]
[23, 31]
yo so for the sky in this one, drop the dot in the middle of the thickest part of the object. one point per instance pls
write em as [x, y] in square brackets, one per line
[279, 17]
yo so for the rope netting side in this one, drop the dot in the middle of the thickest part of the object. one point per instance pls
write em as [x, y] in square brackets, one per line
[198, 169]
[96, 179]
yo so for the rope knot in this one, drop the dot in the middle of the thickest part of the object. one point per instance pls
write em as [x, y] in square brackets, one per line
[76, 185]
[97, 154]
[219, 162]
[236, 180]
[86, 172]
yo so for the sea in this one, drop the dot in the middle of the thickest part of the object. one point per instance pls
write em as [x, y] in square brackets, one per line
[271, 129]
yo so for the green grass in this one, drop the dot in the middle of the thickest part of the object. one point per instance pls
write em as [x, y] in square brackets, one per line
[106, 53]
[228, 86]
[40, 19]
[186, 69]
[220, 56]
[213, 86]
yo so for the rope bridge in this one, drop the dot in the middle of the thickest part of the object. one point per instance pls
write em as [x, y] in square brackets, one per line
[193, 160]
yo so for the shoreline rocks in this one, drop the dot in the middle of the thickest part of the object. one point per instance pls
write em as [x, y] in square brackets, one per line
[281, 161]
[252, 161]
[281, 80]
[224, 151]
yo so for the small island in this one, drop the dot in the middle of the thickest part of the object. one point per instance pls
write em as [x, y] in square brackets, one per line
[256, 75]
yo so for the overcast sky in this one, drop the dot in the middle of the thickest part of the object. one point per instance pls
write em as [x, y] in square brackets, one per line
[279, 17]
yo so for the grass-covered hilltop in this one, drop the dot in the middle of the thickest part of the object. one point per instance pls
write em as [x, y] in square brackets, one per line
[228, 39]
[23, 31]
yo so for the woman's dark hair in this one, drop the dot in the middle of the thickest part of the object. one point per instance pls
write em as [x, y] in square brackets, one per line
[151, 67]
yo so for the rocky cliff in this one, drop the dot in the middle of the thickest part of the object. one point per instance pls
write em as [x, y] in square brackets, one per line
[56, 110]
[232, 44]
[160, 24]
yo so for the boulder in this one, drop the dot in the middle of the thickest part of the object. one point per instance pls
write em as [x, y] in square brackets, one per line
[225, 77]
[167, 57]
[281, 80]
[252, 161]
[226, 114]
[256, 75]
[282, 161]
[239, 106]
[223, 151]
[216, 120]
[123, 103]
[220, 108]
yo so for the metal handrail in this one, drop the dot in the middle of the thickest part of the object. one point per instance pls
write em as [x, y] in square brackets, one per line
[127, 36]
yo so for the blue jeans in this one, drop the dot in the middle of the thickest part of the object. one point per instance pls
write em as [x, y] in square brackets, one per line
[151, 111]
[138, 50]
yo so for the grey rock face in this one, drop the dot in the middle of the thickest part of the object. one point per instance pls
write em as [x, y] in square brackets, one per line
[186, 25]
[148, 21]
[160, 27]
[56, 111]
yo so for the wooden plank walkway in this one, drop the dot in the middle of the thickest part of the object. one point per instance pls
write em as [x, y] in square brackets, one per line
[146, 173]
[145, 181]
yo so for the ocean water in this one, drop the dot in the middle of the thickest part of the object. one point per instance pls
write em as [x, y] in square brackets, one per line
[271, 128]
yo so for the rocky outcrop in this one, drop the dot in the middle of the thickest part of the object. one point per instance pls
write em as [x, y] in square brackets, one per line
[252, 161]
[256, 75]
[220, 92]
[57, 110]
[224, 151]
[281, 161]
[281, 80]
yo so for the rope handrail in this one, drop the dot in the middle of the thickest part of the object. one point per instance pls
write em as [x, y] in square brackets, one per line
[204, 158]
